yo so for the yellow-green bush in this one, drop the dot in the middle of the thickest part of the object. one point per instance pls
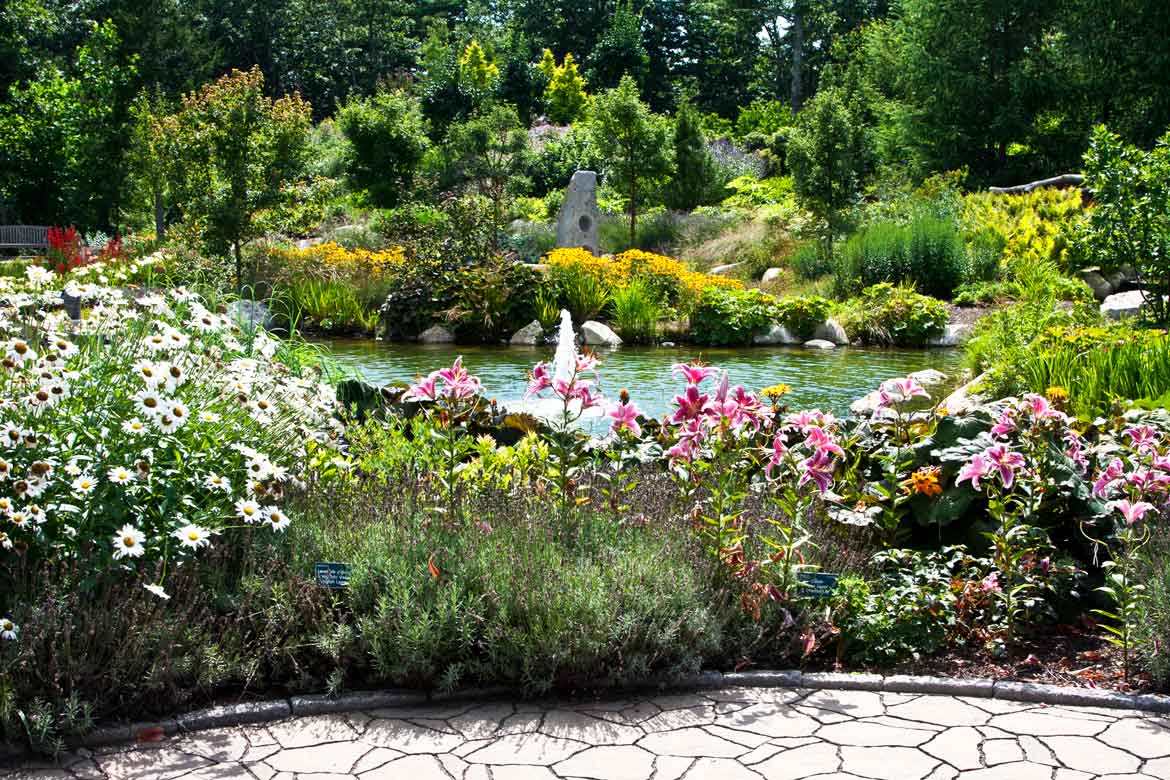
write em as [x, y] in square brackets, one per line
[1035, 228]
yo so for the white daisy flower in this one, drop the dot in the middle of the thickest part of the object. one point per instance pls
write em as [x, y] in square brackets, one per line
[276, 518]
[149, 372]
[168, 424]
[36, 513]
[128, 543]
[63, 347]
[5, 470]
[149, 402]
[11, 435]
[38, 276]
[179, 411]
[216, 482]
[85, 484]
[249, 511]
[19, 352]
[5, 505]
[120, 475]
[259, 467]
[134, 426]
[157, 590]
[193, 536]
[8, 630]
[19, 518]
[208, 417]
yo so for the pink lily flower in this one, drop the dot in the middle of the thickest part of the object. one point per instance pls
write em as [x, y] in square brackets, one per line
[586, 362]
[991, 582]
[692, 372]
[423, 390]
[1006, 461]
[974, 470]
[626, 416]
[807, 419]
[779, 452]
[1132, 512]
[1143, 438]
[818, 469]
[541, 380]
[816, 438]
[1041, 409]
[690, 405]
[1111, 474]
[1004, 425]
[901, 390]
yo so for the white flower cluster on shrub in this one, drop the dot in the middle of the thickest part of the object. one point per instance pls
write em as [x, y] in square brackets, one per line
[146, 431]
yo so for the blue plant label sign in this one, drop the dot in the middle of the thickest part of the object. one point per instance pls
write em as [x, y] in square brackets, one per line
[332, 575]
[817, 584]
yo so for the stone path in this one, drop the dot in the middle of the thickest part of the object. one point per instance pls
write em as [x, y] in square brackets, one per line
[725, 734]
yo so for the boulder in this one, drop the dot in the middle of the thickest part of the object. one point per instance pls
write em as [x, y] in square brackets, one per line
[819, 344]
[1116, 281]
[867, 405]
[436, 334]
[953, 335]
[777, 334]
[577, 222]
[1119, 306]
[831, 330]
[929, 377]
[599, 335]
[528, 336]
[307, 243]
[771, 275]
[249, 315]
[723, 270]
[1100, 286]
[967, 397]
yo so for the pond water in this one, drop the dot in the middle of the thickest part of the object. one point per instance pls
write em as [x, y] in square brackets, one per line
[828, 379]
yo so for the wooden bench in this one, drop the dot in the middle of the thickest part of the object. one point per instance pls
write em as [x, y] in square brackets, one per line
[24, 237]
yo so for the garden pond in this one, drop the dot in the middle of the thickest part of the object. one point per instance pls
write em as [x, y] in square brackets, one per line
[826, 379]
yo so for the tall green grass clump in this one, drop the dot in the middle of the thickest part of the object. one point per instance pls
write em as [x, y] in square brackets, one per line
[636, 312]
[584, 294]
[928, 253]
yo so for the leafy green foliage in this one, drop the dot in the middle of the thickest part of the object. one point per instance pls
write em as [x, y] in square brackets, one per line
[928, 253]
[885, 314]
[1130, 222]
[386, 140]
[729, 317]
[802, 314]
[636, 142]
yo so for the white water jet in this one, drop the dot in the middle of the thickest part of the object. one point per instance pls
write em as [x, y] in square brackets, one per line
[565, 358]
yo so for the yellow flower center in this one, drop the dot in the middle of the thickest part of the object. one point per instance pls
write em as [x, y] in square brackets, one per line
[128, 541]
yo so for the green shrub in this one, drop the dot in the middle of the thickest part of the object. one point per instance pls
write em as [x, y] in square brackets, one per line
[928, 253]
[1152, 632]
[802, 314]
[386, 140]
[331, 306]
[727, 317]
[531, 240]
[636, 311]
[584, 294]
[889, 315]
[810, 261]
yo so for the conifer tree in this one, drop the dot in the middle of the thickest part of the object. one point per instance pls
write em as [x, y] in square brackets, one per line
[566, 96]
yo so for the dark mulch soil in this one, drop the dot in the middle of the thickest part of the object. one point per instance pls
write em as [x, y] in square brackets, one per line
[1072, 656]
[968, 315]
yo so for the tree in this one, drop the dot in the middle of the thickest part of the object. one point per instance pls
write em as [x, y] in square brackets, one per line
[239, 148]
[153, 154]
[634, 141]
[1130, 223]
[565, 96]
[522, 82]
[492, 149]
[62, 139]
[827, 151]
[620, 50]
[385, 142]
[475, 69]
[694, 177]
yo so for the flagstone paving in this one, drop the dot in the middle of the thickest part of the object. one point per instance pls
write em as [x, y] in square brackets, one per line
[728, 734]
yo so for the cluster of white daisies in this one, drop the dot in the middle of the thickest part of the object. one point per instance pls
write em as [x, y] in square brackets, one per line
[147, 428]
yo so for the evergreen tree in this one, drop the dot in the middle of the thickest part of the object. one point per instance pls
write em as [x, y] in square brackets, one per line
[492, 150]
[476, 71]
[565, 96]
[620, 50]
[827, 152]
[635, 142]
[693, 179]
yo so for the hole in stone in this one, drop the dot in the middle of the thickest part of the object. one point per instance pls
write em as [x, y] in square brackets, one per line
[585, 222]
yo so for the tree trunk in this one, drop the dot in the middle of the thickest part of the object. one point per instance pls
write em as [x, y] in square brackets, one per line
[160, 227]
[633, 210]
[797, 94]
[1064, 180]
[239, 268]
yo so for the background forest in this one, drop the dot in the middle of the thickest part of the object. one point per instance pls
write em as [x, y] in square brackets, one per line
[1007, 89]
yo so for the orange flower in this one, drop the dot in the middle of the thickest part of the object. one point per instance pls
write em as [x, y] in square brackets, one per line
[924, 482]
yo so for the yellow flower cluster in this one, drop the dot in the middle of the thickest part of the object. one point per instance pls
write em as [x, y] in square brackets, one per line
[333, 258]
[635, 263]
[1032, 228]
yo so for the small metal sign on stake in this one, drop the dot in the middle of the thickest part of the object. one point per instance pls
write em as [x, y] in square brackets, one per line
[332, 575]
[817, 584]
